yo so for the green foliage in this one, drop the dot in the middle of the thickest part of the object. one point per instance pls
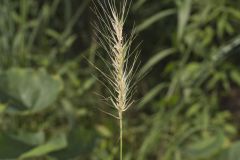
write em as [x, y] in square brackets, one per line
[54, 144]
[206, 147]
[34, 90]
[188, 107]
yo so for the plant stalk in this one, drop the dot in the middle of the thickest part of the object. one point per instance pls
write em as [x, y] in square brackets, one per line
[121, 135]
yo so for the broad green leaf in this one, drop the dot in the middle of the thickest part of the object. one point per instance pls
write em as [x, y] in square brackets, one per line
[54, 144]
[29, 89]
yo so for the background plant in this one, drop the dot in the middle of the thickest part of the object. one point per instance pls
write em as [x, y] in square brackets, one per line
[189, 108]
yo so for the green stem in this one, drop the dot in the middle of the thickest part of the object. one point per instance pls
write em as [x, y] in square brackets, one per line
[121, 135]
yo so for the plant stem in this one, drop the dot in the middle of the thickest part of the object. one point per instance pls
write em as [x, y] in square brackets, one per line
[121, 135]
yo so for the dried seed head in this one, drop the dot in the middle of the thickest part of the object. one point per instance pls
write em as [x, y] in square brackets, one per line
[110, 35]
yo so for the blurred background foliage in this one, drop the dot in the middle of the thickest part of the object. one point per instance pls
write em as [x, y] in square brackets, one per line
[188, 104]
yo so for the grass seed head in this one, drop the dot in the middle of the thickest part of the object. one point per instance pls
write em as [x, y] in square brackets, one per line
[111, 37]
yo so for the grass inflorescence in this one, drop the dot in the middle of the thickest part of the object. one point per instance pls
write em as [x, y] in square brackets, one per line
[121, 57]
